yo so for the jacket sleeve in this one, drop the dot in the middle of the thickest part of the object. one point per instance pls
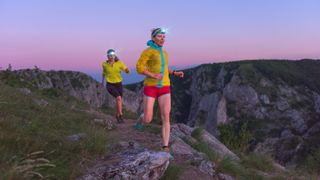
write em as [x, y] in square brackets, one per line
[142, 62]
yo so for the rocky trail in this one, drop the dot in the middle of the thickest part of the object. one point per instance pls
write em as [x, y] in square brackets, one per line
[136, 154]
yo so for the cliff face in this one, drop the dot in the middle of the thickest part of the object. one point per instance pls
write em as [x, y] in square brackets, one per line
[77, 84]
[279, 100]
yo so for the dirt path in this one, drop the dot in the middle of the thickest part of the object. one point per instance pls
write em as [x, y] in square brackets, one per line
[152, 140]
[126, 132]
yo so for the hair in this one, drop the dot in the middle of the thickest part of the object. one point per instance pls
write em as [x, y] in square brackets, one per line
[116, 58]
[155, 31]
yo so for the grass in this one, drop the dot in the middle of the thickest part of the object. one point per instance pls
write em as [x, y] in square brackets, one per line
[258, 161]
[26, 127]
[250, 166]
[197, 133]
[173, 172]
[236, 136]
[202, 146]
[312, 163]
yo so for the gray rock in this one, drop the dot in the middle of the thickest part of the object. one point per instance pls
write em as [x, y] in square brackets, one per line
[76, 137]
[267, 146]
[222, 117]
[265, 82]
[244, 95]
[207, 167]
[297, 120]
[220, 148]
[180, 131]
[282, 104]
[107, 123]
[79, 85]
[220, 79]
[265, 99]
[316, 98]
[225, 177]
[124, 146]
[313, 132]
[181, 149]
[286, 133]
[40, 102]
[142, 164]
[25, 91]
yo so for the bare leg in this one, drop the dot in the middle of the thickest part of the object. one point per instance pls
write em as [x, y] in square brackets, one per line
[119, 106]
[148, 103]
[165, 108]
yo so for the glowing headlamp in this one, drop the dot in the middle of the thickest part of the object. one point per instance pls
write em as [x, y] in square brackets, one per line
[164, 30]
[159, 31]
[111, 53]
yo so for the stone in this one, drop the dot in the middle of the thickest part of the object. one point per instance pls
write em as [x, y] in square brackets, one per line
[225, 177]
[107, 123]
[207, 167]
[40, 102]
[220, 148]
[264, 99]
[182, 149]
[25, 91]
[76, 137]
[134, 164]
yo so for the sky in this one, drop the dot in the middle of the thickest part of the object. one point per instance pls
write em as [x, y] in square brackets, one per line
[75, 34]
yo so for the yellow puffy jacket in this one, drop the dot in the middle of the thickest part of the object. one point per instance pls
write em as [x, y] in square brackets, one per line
[113, 73]
[151, 60]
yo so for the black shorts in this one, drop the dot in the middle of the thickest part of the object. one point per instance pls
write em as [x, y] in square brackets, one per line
[115, 89]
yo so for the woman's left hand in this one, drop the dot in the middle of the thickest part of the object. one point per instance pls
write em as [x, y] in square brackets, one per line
[179, 74]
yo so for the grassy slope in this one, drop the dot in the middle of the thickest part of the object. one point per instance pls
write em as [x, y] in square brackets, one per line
[26, 127]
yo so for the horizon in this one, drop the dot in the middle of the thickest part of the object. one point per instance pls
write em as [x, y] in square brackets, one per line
[61, 35]
[134, 77]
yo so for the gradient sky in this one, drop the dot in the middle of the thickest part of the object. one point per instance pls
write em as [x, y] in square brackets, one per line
[74, 35]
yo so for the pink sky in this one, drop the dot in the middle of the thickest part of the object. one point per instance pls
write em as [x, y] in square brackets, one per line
[64, 35]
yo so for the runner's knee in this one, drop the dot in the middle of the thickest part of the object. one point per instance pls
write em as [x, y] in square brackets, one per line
[147, 118]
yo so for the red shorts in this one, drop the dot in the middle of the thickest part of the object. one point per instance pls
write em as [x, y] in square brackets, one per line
[155, 92]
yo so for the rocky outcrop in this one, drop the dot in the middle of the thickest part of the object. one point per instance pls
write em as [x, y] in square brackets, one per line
[179, 147]
[132, 164]
[79, 85]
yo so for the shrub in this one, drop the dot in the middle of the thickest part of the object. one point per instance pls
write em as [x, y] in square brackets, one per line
[173, 172]
[237, 137]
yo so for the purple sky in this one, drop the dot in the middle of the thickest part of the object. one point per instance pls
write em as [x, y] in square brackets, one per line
[75, 35]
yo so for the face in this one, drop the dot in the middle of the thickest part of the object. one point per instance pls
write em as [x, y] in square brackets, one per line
[159, 39]
[111, 57]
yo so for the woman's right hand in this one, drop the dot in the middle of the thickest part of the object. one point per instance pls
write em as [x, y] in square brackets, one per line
[157, 76]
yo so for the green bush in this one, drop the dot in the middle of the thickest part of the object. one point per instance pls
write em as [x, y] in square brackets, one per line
[237, 137]
[201, 145]
[197, 133]
[173, 172]
[51, 92]
[312, 163]
[258, 161]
